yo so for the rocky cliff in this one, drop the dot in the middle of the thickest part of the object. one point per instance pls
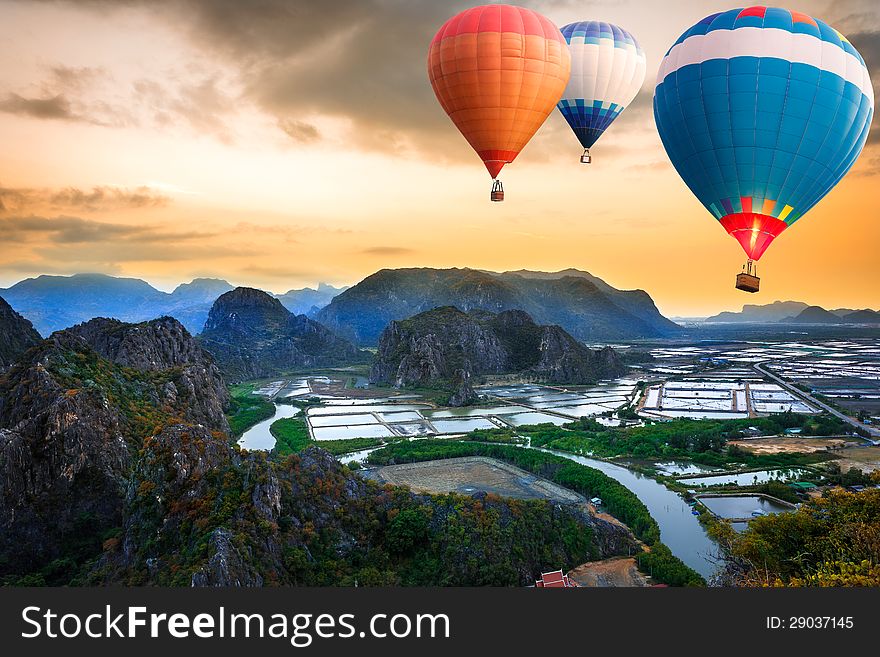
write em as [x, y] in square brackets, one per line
[252, 335]
[163, 345]
[17, 335]
[73, 421]
[447, 345]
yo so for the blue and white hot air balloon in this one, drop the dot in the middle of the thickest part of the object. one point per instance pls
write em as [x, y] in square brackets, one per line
[607, 71]
[762, 111]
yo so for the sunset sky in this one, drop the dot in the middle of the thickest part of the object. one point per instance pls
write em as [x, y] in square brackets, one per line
[279, 144]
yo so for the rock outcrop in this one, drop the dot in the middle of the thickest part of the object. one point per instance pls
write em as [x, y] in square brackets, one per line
[164, 345]
[446, 346]
[252, 335]
[17, 335]
[73, 422]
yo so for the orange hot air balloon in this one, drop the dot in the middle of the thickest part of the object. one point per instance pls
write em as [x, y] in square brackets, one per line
[498, 71]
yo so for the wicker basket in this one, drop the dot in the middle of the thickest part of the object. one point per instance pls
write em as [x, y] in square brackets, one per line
[747, 282]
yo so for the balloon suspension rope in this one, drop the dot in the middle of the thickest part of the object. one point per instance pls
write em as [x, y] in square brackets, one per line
[497, 191]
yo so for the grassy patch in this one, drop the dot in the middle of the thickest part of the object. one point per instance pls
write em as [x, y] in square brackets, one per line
[291, 435]
[246, 409]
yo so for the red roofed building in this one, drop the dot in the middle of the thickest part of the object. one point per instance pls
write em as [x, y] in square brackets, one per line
[554, 580]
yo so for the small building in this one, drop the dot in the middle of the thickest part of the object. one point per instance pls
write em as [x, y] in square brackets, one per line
[803, 485]
[555, 580]
[793, 431]
[596, 501]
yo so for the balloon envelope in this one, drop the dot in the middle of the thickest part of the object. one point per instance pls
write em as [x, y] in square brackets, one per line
[762, 111]
[498, 72]
[607, 71]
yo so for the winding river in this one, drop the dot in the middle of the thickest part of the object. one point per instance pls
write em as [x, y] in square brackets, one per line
[679, 528]
[259, 436]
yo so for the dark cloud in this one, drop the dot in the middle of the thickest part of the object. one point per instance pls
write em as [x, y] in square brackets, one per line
[45, 267]
[388, 250]
[300, 131]
[100, 198]
[76, 78]
[53, 107]
[137, 250]
[202, 105]
[107, 198]
[76, 230]
[868, 45]
[361, 60]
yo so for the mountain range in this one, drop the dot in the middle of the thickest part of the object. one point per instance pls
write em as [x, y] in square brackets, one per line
[252, 335]
[818, 315]
[795, 312]
[585, 306]
[448, 346]
[53, 303]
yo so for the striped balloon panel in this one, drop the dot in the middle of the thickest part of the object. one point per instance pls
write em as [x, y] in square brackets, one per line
[498, 71]
[607, 71]
[762, 111]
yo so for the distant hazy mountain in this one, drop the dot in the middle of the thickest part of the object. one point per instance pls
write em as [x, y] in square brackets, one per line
[53, 303]
[771, 312]
[862, 317]
[199, 291]
[17, 335]
[448, 346]
[56, 302]
[813, 315]
[308, 301]
[585, 306]
[252, 335]
[818, 315]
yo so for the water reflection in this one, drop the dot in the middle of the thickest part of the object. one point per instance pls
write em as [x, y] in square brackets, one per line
[259, 436]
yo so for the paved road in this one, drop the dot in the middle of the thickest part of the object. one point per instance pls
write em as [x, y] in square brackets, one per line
[797, 392]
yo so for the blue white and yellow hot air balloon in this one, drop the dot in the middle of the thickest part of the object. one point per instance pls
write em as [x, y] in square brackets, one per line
[607, 71]
[762, 111]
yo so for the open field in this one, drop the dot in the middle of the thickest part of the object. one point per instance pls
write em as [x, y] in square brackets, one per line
[866, 459]
[619, 571]
[470, 474]
[788, 445]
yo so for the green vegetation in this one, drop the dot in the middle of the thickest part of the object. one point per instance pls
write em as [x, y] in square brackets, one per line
[828, 541]
[702, 441]
[339, 447]
[246, 409]
[79, 549]
[335, 530]
[619, 500]
[291, 435]
[501, 436]
[132, 391]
